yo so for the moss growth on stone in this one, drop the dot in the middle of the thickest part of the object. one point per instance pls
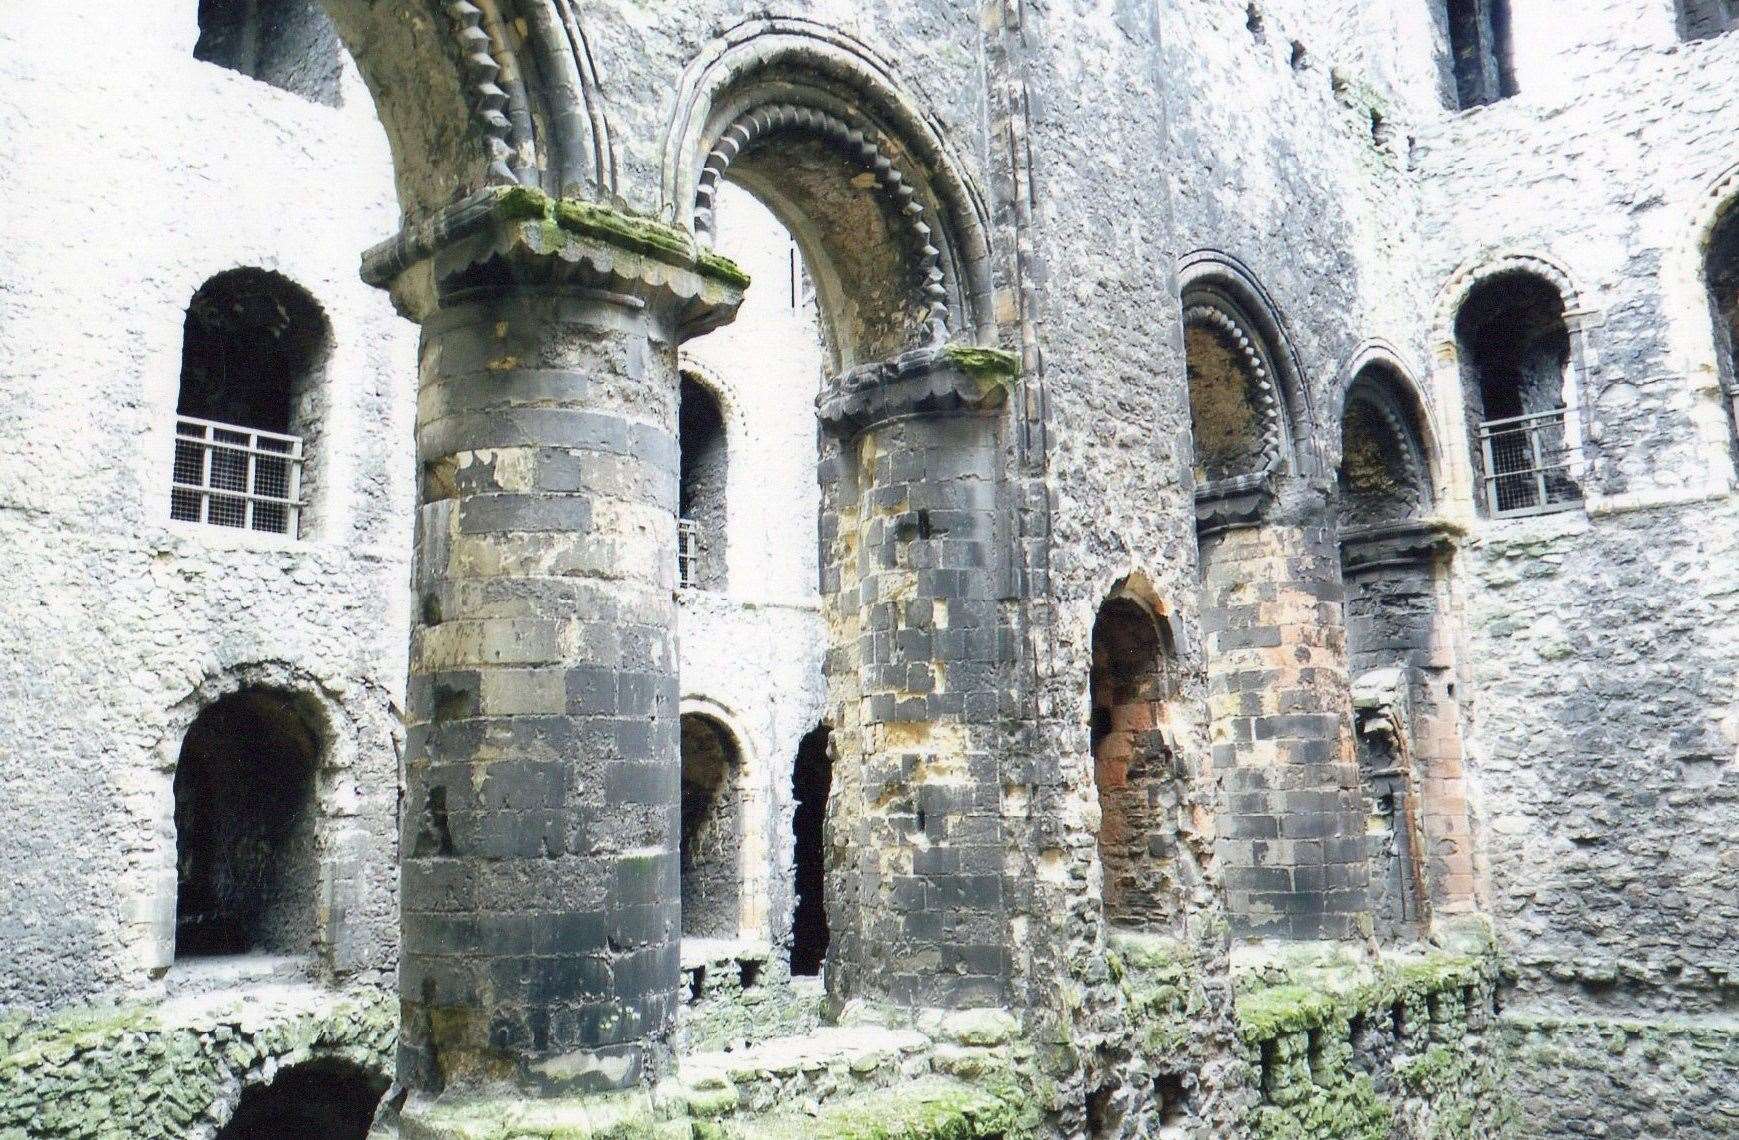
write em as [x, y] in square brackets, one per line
[929, 1109]
[658, 240]
[1278, 1010]
[606, 1116]
[990, 364]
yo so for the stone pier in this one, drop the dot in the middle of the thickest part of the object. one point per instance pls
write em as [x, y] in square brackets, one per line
[541, 908]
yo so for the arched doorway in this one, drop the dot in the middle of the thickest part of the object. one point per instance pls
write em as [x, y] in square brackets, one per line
[712, 829]
[316, 1100]
[246, 827]
[811, 781]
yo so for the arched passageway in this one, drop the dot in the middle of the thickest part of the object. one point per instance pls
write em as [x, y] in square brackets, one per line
[712, 829]
[316, 1100]
[1721, 274]
[1141, 792]
[1395, 562]
[811, 782]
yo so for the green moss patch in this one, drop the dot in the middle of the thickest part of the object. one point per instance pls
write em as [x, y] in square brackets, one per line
[658, 240]
[984, 363]
[134, 1071]
[928, 1109]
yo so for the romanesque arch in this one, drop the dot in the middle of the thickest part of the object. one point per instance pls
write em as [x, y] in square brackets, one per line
[252, 405]
[714, 825]
[1143, 795]
[328, 1097]
[473, 95]
[1721, 278]
[795, 78]
[822, 133]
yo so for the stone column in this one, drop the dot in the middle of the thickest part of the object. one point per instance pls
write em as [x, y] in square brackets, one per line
[1291, 840]
[924, 901]
[540, 899]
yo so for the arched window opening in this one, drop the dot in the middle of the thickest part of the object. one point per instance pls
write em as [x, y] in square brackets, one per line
[246, 828]
[328, 1100]
[705, 466]
[290, 44]
[254, 351]
[1721, 271]
[1480, 54]
[712, 830]
[811, 780]
[1701, 19]
[1134, 767]
[1233, 407]
[1515, 350]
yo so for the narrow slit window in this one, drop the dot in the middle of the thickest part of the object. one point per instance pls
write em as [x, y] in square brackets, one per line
[1480, 55]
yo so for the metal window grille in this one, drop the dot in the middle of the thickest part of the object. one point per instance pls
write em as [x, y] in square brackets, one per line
[1527, 465]
[236, 477]
[687, 553]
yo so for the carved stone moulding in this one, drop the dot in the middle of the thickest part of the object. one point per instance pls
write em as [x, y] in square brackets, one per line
[944, 380]
[507, 239]
[1409, 542]
[1226, 504]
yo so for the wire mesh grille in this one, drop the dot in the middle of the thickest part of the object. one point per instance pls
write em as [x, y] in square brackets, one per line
[1527, 465]
[236, 477]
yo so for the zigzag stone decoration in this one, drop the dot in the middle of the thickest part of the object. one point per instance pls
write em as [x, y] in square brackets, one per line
[488, 101]
[773, 118]
[1267, 399]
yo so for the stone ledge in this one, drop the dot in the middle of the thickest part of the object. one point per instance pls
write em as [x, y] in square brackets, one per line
[934, 1108]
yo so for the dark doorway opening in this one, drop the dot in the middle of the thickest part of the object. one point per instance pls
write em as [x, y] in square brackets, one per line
[290, 44]
[319, 1100]
[811, 779]
[712, 829]
[245, 834]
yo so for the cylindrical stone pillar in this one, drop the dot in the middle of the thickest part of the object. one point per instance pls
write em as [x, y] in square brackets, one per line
[540, 898]
[924, 882]
[1291, 841]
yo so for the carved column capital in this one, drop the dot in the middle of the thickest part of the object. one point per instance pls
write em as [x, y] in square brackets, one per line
[507, 239]
[943, 380]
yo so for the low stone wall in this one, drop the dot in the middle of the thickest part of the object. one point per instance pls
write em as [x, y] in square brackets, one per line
[741, 993]
[176, 1070]
[1403, 1049]
[1677, 1078]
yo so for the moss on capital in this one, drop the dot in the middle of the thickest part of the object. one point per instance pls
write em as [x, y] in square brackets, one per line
[659, 240]
[997, 364]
